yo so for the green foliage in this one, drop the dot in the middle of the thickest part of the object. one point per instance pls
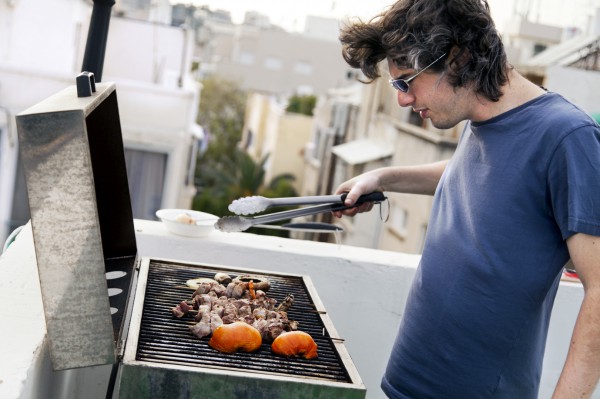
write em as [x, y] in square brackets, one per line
[242, 177]
[224, 172]
[302, 104]
[221, 114]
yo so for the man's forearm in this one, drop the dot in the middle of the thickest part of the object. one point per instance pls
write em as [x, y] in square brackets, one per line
[418, 179]
[582, 368]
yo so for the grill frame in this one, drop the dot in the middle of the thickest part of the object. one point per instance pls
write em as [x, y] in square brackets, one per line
[177, 380]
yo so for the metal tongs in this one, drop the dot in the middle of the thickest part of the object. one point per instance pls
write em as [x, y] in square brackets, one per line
[238, 223]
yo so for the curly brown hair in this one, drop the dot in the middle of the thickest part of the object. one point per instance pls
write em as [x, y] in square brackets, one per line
[416, 32]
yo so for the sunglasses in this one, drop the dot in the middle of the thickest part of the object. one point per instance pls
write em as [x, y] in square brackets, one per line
[402, 84]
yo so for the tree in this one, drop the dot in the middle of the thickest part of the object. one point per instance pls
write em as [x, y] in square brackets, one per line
[221, 114]
[224, 172]
[302, 104]
[243, 177]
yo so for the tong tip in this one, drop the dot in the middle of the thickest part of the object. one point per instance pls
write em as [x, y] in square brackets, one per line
[232, 224]
[248, 205]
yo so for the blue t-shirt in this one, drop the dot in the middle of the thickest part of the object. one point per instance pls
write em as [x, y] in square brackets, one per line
[477, 316]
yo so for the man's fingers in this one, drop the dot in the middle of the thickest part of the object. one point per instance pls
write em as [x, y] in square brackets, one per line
[351, 198]
[366, 207]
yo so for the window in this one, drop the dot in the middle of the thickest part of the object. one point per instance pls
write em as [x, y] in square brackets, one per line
[399, 218]
[321, 141]
[246, 58]
[273, 63]
[303, 68]
[195, 149]
[146, 177]
[538, 48]
[249, 139]
[305, 90]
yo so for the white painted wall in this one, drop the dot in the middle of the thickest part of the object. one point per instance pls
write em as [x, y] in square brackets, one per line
[578, 85]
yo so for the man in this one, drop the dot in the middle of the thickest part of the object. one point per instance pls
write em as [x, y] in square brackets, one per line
[520, 196]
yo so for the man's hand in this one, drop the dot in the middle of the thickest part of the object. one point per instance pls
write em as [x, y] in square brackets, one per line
[360, 185]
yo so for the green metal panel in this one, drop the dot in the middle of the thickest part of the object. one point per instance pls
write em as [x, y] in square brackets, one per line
[149, 382]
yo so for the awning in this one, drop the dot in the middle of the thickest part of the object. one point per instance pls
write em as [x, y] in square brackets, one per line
[362, 151]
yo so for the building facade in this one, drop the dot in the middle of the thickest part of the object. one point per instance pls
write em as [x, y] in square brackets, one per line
[158, 97]
[267, 59]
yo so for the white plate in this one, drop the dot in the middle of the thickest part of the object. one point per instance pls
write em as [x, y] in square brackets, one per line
[203, 226]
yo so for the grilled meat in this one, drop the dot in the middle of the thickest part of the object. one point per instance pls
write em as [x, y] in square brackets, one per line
[286, 303]
[202, 327]
[239, 301]
[181, 309]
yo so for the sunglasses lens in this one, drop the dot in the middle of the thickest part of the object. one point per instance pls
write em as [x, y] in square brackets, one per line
[400, 85]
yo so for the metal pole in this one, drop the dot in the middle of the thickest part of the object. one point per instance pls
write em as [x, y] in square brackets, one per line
[95, 48]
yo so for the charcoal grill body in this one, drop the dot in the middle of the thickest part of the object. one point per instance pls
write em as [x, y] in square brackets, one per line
[162, 359]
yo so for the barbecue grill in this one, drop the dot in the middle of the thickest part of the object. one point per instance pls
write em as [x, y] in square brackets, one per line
[105, 304]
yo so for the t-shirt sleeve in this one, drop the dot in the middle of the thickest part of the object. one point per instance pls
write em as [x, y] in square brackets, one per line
[574, 182]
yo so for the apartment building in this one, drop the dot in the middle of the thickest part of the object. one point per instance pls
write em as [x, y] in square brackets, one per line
[41, 52]
[270, 131]
[267, 59]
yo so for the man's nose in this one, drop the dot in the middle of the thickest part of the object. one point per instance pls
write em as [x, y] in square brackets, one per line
[404, 99]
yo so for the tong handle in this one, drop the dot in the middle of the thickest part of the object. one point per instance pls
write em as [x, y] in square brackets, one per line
[313, 210]
[375, 196]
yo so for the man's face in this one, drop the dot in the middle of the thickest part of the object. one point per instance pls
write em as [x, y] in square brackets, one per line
[432, 97]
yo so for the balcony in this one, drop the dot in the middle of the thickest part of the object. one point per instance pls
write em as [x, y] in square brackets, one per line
[363, 290]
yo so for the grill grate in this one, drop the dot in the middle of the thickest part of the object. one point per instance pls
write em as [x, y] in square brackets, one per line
[165, 339]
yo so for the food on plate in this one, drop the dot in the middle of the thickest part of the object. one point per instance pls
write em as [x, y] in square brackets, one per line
[237, 336]
[185, 218]
[295, 343]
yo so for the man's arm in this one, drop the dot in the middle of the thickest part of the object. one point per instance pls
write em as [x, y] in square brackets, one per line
[418, 179]
[582, 368]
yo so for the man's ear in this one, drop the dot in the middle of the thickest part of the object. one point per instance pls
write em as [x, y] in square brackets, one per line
[458, 58]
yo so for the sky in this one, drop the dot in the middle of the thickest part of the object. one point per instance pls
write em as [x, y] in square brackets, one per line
[290, 14]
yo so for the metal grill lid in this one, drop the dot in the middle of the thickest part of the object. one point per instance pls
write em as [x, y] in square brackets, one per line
[72, 152]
